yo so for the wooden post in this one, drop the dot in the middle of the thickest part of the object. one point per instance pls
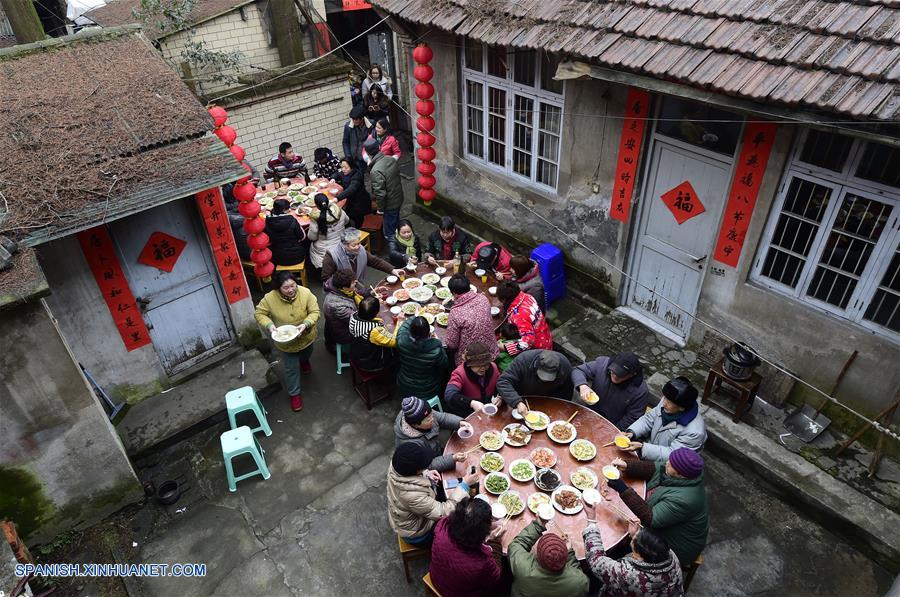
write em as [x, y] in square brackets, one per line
[286, 30]
[24, 20]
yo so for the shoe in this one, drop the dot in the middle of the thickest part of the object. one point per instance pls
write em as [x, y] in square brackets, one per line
[296, 403]
[305, 367]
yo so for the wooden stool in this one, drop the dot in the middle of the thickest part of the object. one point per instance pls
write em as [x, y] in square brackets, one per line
[248, 269]
[364, 381]
[364, 240]
[691, 571]
[747, 388]
[373, 224]
[429, 587]
[410, 553]
[297, 267]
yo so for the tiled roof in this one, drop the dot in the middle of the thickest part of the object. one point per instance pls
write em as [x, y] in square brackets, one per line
[839, 56]
[120, 12]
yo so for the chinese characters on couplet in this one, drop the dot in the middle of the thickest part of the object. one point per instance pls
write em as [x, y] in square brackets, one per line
[221, 240]
[637, 108]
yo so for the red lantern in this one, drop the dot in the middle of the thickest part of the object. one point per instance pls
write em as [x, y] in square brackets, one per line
[263, 270]
[425, 123]
[427, 168]
[249, 209]
[426, 181]
[238, 152]
[226, 134]
[424, 90]
[425, 107]
[258, 241]
[425, 139]
[219, 115]
[261, 256]
[244, 192]
[423, 73]
[427, 195]
[426, 154]
[254, 225]
[423, 54]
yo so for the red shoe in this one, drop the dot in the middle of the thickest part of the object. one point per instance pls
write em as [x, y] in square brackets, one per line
[305, 367]
[296, 403]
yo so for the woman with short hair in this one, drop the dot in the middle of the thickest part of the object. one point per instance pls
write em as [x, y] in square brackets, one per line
[404, 247]
[350, 254]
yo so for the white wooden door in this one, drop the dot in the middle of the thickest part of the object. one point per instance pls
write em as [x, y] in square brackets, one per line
[669, 259]
[184, 309]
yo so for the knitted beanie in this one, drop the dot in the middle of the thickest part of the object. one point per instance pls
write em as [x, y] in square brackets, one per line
[688, 463]
[414, 409]
[477, 354]
[551, 552]
[410, 458]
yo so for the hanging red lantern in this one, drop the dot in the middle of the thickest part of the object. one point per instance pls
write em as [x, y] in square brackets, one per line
[261, 256]
[427, 167]
[249, 209]
[254, 225]
[425, 139]
[423, 73]
[238, 152]
[427, 195]
[219, 115]
[263, 270]
[426, 154]
[226, 134]
[425, 123]
[424, 90]
[425, 107]
[423, 54]
[244, 192]
[258, 241]
[426, 181]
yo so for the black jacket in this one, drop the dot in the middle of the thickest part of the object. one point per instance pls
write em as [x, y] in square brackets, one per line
[240, 235]
[521, 379]
[397, 252]
[462, 244]
[359, 203]
[622, 404]
[354, 137]
[286, 240]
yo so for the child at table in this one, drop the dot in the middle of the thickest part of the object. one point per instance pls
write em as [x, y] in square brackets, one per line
[508, 331]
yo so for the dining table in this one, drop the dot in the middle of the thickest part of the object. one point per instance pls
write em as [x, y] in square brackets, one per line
[611, 513]
[301, 213]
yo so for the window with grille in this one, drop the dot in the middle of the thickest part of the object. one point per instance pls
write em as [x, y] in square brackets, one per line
[832, 239]
[513, 111]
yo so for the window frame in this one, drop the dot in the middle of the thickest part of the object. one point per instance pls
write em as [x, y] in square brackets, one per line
[535, 94]
[841, 183]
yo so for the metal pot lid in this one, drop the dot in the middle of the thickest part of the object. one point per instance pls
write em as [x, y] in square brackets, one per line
[740, 354]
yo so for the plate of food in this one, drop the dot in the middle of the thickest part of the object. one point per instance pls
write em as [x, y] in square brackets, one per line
[410, 309]
[442, 319]
[582, 450]
[445, 280]
[309, 190]
[536, 500]
[434, 308]
[421, 295]
[496, 483]
[491, 440]
[561, 432]
[537, 420]
[443, 293]
[516, 435]
[431, 278]
[271, 194]
[543, 457]
[293, 194]
[297, 186]
[401, 294]
[584, 478]
[513, 502]
[567, 499]
[491, 462]
[547, 479]
[411, 283]
[285, 333]
[522, 470]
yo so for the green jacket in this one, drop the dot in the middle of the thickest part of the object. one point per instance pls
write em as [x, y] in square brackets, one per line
[680, 512]
[423, 365]
[276, 310]
[529, 579]
[386, 188]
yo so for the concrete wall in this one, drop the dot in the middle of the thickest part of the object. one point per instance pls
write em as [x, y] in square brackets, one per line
[308, 116]
[61, 462]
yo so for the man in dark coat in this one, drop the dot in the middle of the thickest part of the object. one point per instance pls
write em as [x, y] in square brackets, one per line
[387, 189]
[618, 382]
[535, 373]
[356, 131]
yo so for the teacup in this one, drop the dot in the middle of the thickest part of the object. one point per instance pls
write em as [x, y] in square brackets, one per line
[392, 279]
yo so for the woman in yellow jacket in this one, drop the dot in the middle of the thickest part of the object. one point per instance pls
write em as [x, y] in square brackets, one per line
[291, 303]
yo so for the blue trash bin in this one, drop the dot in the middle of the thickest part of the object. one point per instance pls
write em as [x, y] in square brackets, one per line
[550, 263]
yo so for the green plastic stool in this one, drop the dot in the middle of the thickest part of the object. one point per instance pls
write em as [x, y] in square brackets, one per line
[341, 364]
[242, 399]
[435, 404]
[242, 441]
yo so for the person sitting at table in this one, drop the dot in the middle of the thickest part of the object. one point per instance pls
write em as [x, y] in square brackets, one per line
[677, 507]
[492, 257]
[371, 345]
[619, 382]
[652, 569]
[417, 423]
[544, 565]
[675, 422]
[412, 496]
[508, 331]
[328, 222]
[286, 164]
[326, 164]
[527, 274]
[466, 554]
[423, 361]
[535, 373]
[349, 254]
[473, 382]
[388, 143]
[286, 236]
[340, 302]
[469, 320]
[404, 247]
[522, 310]
[377, 104]
[448, 241]
[354, 199]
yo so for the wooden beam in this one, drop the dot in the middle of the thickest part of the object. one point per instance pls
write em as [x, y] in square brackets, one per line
[286, 30]
[23, 18]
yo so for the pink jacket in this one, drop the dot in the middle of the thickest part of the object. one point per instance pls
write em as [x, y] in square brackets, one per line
[389, 147]
[458, 572]
[533, 329]
[470, 321]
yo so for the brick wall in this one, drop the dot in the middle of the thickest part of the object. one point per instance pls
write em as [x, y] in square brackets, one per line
[263, 123]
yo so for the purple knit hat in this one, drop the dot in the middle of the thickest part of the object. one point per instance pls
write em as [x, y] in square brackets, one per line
[687, 462]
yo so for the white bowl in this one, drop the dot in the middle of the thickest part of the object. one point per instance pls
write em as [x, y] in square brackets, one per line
[610, 472]
[546, 511]
[492, 290]
[396, 310]
[489, 409]
[591, 497]
[480, 272]
[464, 432]
[440, 270]
[498, 510]
[393, 280]
[390, 300]
[411, 267]
[495, 311]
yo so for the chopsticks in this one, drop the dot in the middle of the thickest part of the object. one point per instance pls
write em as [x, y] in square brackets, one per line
[617, 510]
[574, 414]
[470, 450]
[608, 444]
[559, 528]
[526, 403]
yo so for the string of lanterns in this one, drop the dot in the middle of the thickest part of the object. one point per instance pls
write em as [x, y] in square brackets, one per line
[423, 73]
[245, 193]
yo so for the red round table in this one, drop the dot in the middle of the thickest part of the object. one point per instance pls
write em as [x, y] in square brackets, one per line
[589, 425]
[303, 219]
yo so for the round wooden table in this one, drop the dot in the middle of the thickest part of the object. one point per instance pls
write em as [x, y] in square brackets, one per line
[589, 425]
[424, 268]
[303, 219]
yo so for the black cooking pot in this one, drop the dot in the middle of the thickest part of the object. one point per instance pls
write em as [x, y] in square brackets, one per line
[740, 360]
[169, 492]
